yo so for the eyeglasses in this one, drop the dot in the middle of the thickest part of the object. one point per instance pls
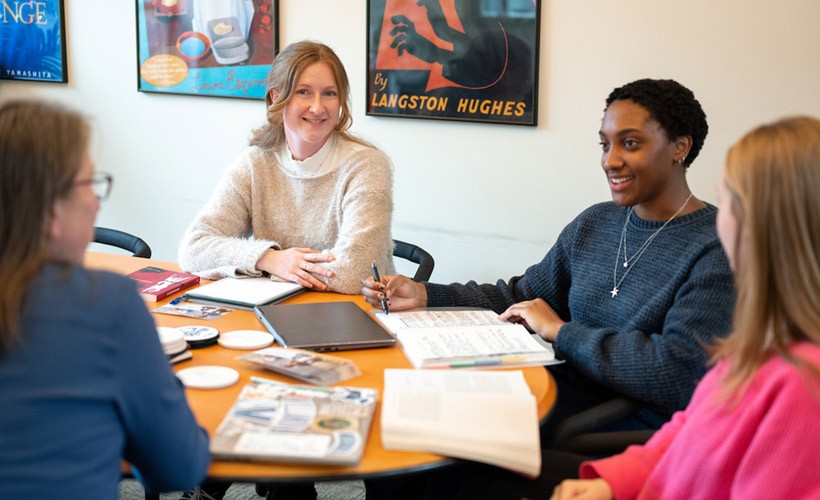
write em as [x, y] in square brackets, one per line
[100, 183]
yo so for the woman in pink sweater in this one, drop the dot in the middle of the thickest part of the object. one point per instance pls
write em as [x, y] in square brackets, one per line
[752, 429]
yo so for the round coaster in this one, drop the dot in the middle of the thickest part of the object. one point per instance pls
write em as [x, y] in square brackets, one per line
[197, 332]
[172, 340]
[199, 336]
[197, 344]
[169, 335]
[245, 339]
[208, 377]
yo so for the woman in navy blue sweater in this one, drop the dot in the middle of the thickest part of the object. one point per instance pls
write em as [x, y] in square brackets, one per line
[633, 289]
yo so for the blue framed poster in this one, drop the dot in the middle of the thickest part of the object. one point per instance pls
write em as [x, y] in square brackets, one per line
[469, 60]
[221, 48]
[32, 40]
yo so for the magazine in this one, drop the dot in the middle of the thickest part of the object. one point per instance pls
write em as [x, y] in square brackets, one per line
[308, 366]
[280, 422]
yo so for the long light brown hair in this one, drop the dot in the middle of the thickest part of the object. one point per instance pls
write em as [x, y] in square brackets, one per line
[42, 147]
[287, 67]
[773, 175]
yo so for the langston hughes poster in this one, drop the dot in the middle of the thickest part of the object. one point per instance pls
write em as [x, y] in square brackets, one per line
[473, 60]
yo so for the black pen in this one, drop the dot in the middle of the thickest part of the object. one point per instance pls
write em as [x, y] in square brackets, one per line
[378, 279]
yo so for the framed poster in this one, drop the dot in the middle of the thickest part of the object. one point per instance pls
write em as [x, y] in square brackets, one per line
[32, 40]
[221, 48]
[471, 60]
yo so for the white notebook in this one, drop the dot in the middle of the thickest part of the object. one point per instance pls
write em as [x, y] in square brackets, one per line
[243, 293]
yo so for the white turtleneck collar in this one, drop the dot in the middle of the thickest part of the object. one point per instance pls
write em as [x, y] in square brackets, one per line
[313, 166]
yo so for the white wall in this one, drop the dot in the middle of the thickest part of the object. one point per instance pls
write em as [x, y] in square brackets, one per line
[485, 200]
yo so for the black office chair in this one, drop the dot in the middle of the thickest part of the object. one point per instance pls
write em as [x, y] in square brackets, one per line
[121, 239]
[416, 255]
[579, 433]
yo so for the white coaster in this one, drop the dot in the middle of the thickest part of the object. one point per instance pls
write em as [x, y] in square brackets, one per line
[245, 339]
[208, 377]
[169, 335]
[172, 340]
[196, 333]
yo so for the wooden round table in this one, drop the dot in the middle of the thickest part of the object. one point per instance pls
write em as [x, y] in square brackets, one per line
[211, 406]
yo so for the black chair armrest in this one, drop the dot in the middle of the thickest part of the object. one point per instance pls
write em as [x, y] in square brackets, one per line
[580, 433]
[417, 255]
[120, 239]
[592, 419]
[600, 444]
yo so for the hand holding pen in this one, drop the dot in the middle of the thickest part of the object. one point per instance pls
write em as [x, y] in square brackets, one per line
[401, 292]
[378, 280]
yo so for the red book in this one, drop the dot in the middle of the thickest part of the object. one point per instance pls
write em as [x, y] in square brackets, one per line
[155, 283]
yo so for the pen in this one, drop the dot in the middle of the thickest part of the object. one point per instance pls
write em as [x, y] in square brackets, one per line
[181, 298]
[378, 279]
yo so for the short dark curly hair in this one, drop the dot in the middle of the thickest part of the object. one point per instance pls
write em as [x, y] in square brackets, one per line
[670, 104]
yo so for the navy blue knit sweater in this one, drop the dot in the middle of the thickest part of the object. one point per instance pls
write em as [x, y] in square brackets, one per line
[648, 342]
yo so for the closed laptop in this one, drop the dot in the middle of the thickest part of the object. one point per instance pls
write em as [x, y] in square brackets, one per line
[323, 326]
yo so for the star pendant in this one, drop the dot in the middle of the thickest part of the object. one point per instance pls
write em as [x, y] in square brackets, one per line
[614, 291]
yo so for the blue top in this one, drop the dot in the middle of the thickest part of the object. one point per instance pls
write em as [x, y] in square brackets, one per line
[648, 342]
[87, 386]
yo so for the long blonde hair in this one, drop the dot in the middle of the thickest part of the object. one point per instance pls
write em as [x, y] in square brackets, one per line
[284, 73]
[41, 151]
[773, 174]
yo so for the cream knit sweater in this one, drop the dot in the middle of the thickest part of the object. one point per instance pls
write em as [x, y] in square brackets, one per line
[339, 200]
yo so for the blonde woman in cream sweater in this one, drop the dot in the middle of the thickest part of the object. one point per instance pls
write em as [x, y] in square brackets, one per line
[306, 202]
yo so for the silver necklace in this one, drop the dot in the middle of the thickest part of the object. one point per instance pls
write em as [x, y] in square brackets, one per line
[629, 262]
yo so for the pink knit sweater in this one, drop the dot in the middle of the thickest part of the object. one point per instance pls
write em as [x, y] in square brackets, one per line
[767, 446]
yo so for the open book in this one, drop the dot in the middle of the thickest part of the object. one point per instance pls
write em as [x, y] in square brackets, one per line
[296, 423]
[488, 417]
[464, 338]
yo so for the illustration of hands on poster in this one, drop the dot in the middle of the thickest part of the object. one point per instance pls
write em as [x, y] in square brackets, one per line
[32, 41]
[206, 47]
[473, 60]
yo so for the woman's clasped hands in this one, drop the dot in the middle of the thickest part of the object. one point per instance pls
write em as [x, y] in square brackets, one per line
[299, 265]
